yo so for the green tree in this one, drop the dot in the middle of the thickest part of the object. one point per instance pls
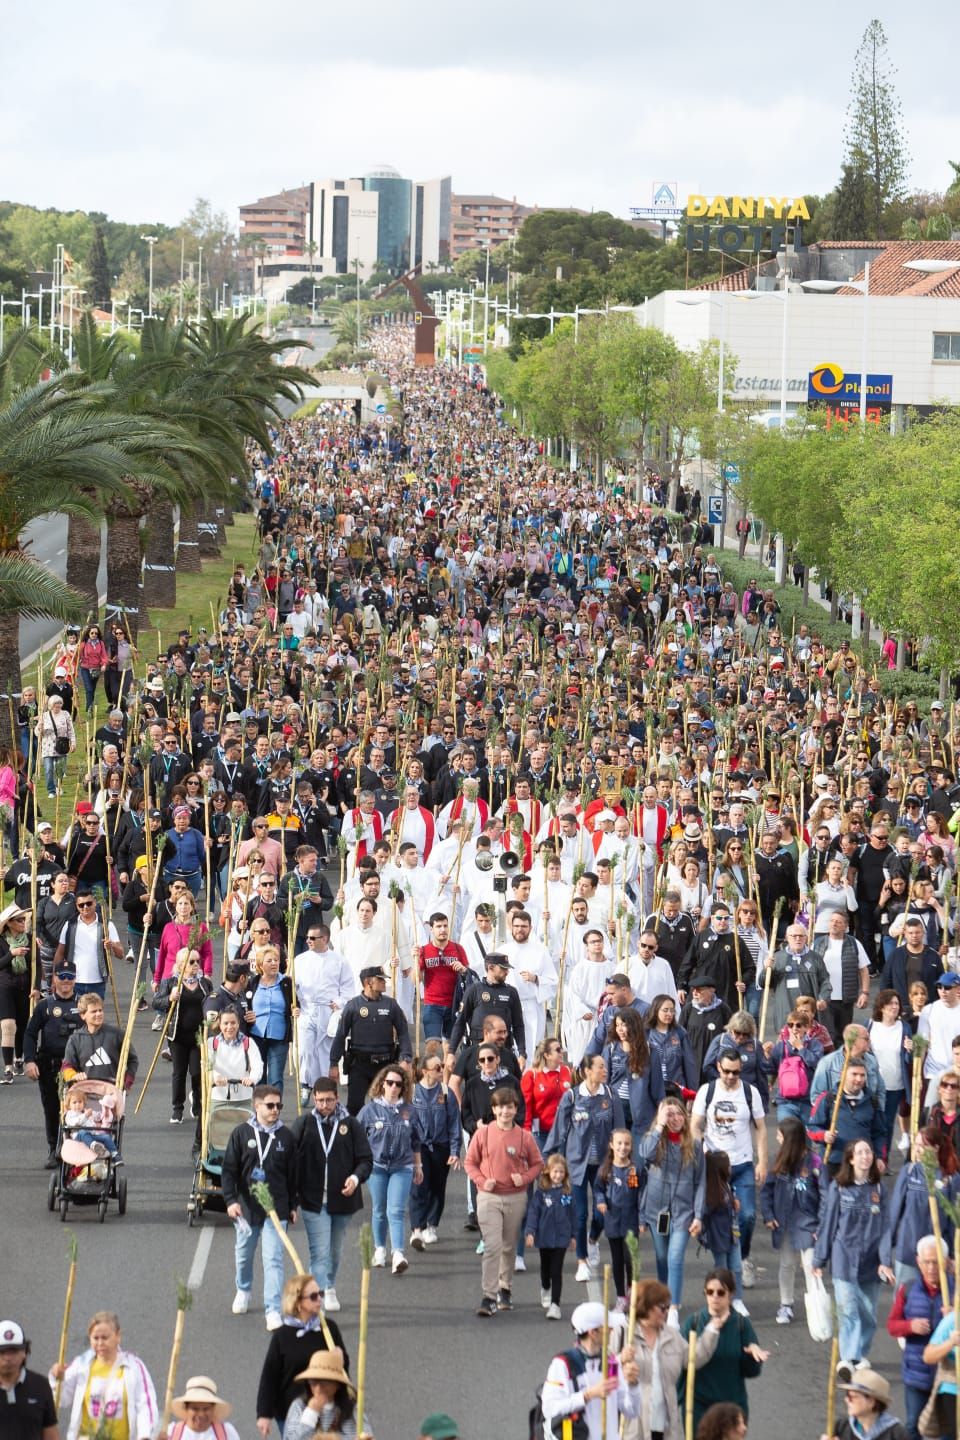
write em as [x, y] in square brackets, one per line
[852, 218]
[98, 269]
[874, 134]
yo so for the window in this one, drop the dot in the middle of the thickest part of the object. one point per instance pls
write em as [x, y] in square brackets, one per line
[946, 347]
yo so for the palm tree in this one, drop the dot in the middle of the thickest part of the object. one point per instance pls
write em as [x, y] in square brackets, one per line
[58, 454]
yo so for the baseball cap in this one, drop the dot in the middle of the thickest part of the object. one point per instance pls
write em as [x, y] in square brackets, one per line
[440, 1426]
[948, 979]
[65, 973]
[43, 825]
[372, 972]
[233, 718]
[11, 1337]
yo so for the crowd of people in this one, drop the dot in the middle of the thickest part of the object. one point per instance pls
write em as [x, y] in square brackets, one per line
[489, 829]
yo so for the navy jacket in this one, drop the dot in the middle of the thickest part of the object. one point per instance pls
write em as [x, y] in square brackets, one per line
[672, 1186]
[678, 1064]
[599, 1037]
[794, 1202]
[853, 1231]
[550, 1218]
[910, 1213]
[393, 1132]
[620, 1192]
[439, 1116]
[860, 1119]
[582, 1128]
[644, 1092]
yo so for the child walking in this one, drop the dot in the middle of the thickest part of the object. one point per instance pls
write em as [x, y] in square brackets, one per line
[618, 1201]
[549, 1226]
[721, 1228]
[790, 1206]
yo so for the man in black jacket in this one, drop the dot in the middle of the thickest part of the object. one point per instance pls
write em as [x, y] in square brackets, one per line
[49, 1028]
[776, 880]
[492, 997]
[334, 1159]
[676, 932]
[373, 1032]
[262, 1149]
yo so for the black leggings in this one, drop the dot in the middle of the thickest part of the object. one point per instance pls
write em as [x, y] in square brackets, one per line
[15, 1005]
[426, 1199]
[620, 1263]
[551, 1271]
[186, 1061]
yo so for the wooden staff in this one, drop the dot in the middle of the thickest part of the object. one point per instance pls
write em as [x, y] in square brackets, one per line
[692, 1381]
[605, 1347]
[768, 969]
[262, 1195]
[832, 1386]
[171, 1012]
[135, 993]
[560, 973]
[208, 848]
[366, 1261]
[67, 1306]
[849, 1036]
[293, 922]
[109, 963]
[184, 1301]
[919, 1046]
[938, 1236]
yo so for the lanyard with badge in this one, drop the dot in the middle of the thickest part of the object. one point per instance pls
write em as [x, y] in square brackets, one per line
[258, 1172]
[325, 1144]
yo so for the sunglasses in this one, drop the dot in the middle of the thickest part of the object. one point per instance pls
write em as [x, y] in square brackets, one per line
[85, 904]
[311, 1295]
[949, 1085]
[728, 1072]
[716, 1291]
[488, 1059]
[392, 1083]
[272, 1104]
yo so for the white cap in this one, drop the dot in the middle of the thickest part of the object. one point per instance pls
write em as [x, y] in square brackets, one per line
[11, 1335]
[589, 1316]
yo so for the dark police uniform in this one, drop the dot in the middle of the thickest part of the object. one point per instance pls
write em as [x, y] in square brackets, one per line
[485, 999]
[371, 1034]
[45, 1041]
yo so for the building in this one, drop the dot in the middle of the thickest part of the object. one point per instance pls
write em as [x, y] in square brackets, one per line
[280, 220]
[819, 312]
[477, 221]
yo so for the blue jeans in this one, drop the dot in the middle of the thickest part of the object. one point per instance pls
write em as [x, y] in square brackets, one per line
[743, 1182]
[271, 1256]
[90, 684]
[274, 1055]
[194, 883]
[857, 1314]
[891, 1106]
[913, 1402]
[325, 1240]
[670, 1251]
[437, 1021]
[580, 1212]
[53, 768]
[99, 989]
[389, 1193]
[732, 1259]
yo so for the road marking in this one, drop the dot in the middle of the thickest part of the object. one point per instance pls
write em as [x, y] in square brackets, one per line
[63, 551]
[201, 1256]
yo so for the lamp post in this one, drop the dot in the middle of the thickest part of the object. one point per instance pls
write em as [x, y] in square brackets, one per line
[358, 294]
[486, 300]
[719, 302]
[150, 240]
[199, 280]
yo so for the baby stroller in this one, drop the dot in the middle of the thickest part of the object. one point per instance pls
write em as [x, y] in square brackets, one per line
[90, 1151]
[220, 1118]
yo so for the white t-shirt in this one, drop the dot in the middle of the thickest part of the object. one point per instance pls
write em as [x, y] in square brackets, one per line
[728, 1119]
[86, 950]
[886, 1042]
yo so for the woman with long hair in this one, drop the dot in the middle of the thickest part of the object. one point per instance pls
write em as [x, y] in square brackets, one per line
[186, 928]
[852, 1231]
[673, 1200]
[393, 1128]
[790, 1207]
[892, 1044]
[543, 1085]
[637, 1082]
[439, 1116]
[618, 1194]
[732, 869]
[93, 658]
[670, 1044]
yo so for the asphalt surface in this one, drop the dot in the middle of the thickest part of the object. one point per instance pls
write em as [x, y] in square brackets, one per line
[427, 1350]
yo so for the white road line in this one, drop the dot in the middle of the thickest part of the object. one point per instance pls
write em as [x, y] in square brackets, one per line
[201, 1256]
[63, 551]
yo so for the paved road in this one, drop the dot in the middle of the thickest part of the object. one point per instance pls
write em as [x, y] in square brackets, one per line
[427, 1349]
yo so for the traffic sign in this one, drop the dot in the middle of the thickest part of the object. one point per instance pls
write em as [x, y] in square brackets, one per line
[731, 473]
[472, 354]
[715, 509]
[381, 409]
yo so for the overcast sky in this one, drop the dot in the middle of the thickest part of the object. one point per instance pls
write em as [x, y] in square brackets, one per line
[137, 109]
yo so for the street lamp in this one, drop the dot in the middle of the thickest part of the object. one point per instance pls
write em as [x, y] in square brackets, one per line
[783, 295]
[150, 240]
[199, 280]
[708, 300]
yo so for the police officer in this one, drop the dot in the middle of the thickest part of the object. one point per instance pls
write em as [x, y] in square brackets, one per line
[372, 1033]
[493, 997]
[49, 1028]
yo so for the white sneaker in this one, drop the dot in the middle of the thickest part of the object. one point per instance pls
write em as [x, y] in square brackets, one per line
[274, 1320]
[749, 1275]
[430, 1235]
[740, 1308]
[399, 1262]
[903, 1144]
[380, 1256]
[241, 1303]
[330, 1301]
[863, 1365]
[553, 1312]
[593, 1253]
[416, 1239]
[519, 1264]
[673, 1317]
[583, 1270]
[545, 1299]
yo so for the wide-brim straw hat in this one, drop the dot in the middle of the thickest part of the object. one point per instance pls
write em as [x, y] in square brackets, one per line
[201, 1390]
[327, 1365]
[10, 912]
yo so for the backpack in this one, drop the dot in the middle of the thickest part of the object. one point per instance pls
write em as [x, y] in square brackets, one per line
[792, 1079]
[576, 1363]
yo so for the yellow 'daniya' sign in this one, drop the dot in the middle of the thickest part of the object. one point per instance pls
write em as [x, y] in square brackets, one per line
[746, 207]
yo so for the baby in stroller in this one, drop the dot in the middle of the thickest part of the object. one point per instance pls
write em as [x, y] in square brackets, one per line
[90, 1120]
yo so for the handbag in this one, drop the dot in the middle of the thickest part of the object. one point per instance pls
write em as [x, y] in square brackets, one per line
[819, 1310]
[61, 743]
[928, 1422]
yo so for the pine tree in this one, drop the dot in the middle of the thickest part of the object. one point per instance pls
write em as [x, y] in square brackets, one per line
[852, 218]
[98, 269]
[874, 130]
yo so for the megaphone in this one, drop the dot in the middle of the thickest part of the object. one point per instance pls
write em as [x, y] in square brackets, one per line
[509, 860]
[484, 861]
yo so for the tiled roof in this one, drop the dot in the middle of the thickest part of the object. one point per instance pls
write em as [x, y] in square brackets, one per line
[888, 275]
[734, 281]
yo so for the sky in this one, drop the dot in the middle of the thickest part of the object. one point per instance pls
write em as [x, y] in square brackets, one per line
[136, 110]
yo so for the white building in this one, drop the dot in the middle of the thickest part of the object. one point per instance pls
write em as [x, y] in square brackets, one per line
[908, 325]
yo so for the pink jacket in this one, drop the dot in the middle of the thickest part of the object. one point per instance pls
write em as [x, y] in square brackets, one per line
[173, 937]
